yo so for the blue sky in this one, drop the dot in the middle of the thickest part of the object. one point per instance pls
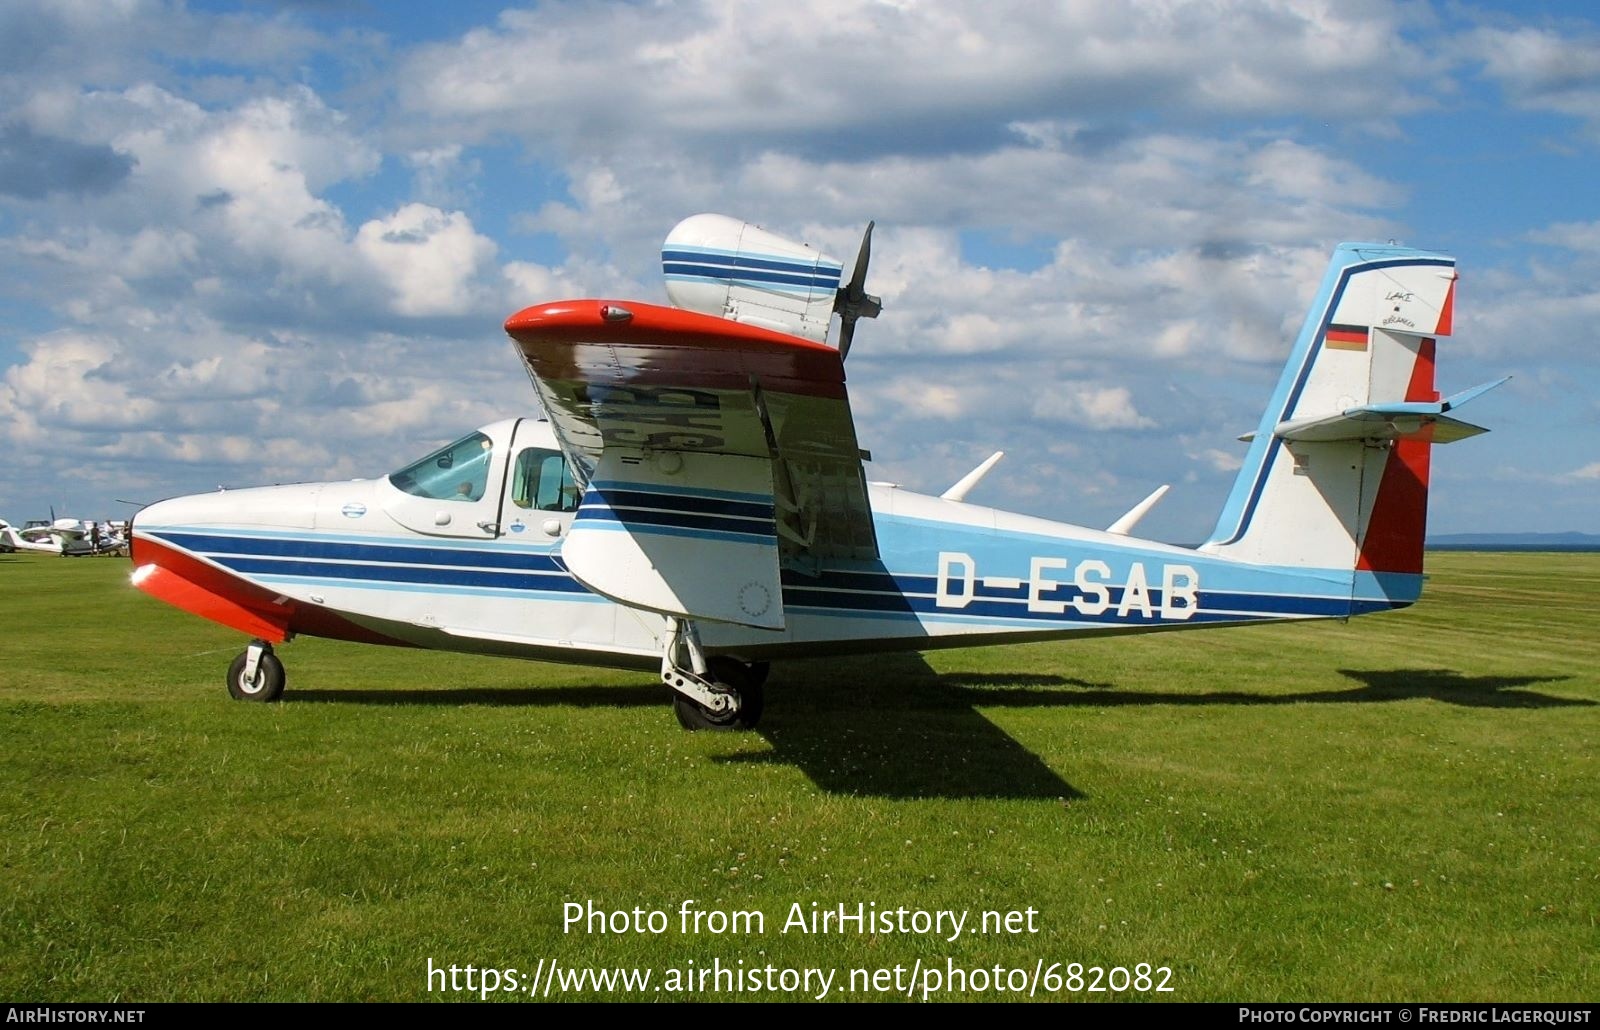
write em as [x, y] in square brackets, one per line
[251, 242]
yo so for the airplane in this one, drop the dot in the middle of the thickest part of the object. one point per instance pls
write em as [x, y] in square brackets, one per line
[63, 536]
[694, 499]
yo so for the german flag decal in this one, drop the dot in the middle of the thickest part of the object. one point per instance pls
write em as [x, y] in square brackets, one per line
[1346, 337]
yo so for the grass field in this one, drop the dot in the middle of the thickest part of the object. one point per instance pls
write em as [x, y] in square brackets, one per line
[1401, 808]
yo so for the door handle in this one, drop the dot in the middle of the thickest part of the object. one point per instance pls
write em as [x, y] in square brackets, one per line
[489, 527]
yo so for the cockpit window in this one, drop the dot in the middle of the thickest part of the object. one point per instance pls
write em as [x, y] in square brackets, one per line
[544, 482]
[459, 472]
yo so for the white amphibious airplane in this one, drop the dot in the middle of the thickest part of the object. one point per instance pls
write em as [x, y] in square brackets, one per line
[696, 500]
[57, 536]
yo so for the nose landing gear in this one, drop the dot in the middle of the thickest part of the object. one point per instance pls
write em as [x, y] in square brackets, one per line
[257, 674]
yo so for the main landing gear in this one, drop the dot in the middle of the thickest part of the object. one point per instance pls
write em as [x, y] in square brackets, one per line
[716, 693]
[257, 674]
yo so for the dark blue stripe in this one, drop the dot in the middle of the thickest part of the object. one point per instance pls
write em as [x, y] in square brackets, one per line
[753, 275]
[682, 502]
[851, 580]
[867, 591]
[683, 520]
[1247, 605]
[698, 257]
[406, 574]
[399, 554]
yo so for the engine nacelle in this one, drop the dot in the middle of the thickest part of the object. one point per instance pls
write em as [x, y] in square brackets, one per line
[721, 266]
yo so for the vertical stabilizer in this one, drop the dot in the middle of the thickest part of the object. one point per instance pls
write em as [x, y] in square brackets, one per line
[1337, 473]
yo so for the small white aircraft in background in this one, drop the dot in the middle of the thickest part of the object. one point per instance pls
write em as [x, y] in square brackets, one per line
[68, 537]
[697, 501]
[46, 537]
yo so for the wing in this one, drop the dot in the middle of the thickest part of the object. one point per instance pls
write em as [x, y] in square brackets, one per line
[711, 454]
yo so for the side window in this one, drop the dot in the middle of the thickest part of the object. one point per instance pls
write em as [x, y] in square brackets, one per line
[543, 482]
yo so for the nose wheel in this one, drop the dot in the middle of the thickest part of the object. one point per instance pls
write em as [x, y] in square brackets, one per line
[257, 674]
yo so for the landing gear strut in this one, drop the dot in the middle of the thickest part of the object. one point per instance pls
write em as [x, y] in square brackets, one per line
[717, 693]
[257, 674]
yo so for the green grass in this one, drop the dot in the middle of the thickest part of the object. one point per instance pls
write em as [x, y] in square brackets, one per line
[1404, 807]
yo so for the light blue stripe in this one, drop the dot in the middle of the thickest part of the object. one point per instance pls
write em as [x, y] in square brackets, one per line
[428, 588]
[486, 545]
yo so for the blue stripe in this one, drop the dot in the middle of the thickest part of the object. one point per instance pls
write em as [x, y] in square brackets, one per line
[677, 269]
[678, 492]
[563, 595]
[757, 280]
[1213, 606]
[732, 259]
[305, 535]
[890, 589]
[692, 534]
[551, 581]
[213, 544]
[635, 518]
[683, 503]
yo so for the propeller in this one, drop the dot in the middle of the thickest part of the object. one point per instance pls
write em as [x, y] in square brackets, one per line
[853, 301]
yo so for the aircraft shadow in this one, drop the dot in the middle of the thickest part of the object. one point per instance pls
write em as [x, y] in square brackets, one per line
[1377, 685]
[890, 726]
[884, 726]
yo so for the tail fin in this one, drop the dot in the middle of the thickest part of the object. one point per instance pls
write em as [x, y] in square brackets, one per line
[1337, 472]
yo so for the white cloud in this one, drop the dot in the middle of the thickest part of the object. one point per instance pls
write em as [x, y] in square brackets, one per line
[1543, 68]
[591, 76]
[1220, 460]
[428, 258]
[1582, 237]
[1097, 408]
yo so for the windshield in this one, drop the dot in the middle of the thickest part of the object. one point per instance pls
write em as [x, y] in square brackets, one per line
[459, 472]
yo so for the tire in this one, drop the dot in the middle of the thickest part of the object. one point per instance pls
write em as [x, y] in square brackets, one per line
[692, 717]
[269, 681]
[740, 676]
[746, 680]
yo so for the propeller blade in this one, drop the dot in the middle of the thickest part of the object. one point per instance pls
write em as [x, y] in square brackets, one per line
[858, 279]
[853, 301]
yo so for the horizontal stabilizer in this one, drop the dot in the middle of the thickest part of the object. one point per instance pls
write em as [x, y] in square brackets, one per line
[1391, 421]
[1124, 525]
[964, 485]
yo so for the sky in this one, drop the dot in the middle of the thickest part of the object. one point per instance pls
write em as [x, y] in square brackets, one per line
[247, 243]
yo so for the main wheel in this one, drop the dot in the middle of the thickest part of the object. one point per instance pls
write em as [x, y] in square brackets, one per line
[693, 717]
[745, 680]
[725, 668]
[269, 681]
